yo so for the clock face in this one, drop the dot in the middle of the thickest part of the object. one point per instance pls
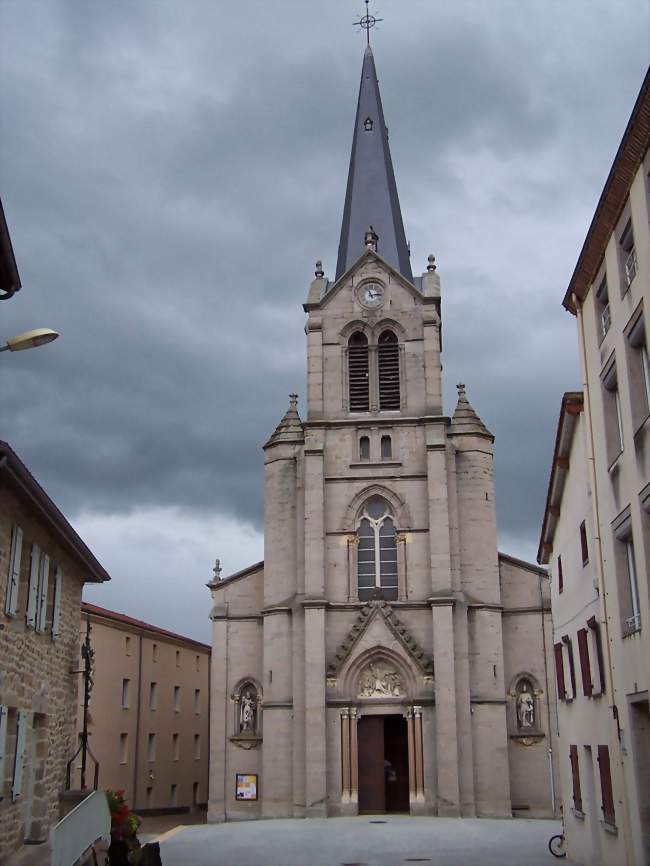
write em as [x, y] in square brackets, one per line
[371, 294]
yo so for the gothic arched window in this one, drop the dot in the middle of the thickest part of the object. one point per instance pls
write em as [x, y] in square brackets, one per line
[358, 378]
[377, 551]
[388, 369]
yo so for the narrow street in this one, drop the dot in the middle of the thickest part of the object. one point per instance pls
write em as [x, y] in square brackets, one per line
[367, 841]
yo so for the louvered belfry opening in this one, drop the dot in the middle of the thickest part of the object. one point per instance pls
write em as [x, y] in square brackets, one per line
[388, 363]
[359, 380]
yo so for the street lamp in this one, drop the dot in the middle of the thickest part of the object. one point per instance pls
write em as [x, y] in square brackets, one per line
[29, 340]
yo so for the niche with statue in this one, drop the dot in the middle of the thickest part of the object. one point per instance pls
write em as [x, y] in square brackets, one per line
[247, 714]
[524, 709]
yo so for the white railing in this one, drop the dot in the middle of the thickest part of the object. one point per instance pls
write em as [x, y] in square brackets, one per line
[81, 828]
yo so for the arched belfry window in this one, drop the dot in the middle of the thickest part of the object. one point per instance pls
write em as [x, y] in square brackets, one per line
[358, 378]
[377, 551]
[388, 368]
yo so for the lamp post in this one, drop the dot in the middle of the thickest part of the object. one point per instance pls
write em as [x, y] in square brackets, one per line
[29, 340]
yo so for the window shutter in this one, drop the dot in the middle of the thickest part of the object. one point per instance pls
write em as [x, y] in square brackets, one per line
[388, 365]
[4, 712]
[43, 579]
[13, 583]
[572, 668]
[585, 667]
[19, 760]
[575, 774]
[606, 785]
[56, 605]
[595, 627]
[559, 671]
[358, 373]
[32, 592]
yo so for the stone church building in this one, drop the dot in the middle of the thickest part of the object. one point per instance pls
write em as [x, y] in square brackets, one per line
[384, 657]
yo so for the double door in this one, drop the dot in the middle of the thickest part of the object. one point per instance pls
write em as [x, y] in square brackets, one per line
[383, 764]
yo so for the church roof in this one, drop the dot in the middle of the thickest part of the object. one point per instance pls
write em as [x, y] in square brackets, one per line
[465, 419]
[290, 427]
[371, 199]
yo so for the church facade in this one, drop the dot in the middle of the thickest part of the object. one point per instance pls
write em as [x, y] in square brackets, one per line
[384, 657]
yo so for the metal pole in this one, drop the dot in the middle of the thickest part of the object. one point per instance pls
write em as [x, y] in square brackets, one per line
[86, 651]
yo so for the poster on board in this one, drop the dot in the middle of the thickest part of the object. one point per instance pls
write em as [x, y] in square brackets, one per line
[246, 786]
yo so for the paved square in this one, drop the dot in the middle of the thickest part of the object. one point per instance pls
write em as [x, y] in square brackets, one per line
[367, 841]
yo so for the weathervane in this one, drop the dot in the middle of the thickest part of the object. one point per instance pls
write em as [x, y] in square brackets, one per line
[367, 21]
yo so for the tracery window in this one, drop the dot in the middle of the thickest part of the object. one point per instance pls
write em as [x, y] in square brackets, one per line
[358, 373]
[377, 551]
[388, 369]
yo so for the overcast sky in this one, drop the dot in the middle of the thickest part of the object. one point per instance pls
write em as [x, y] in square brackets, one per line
[170, 173]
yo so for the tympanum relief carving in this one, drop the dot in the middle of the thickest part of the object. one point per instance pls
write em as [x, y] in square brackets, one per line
[380, 680]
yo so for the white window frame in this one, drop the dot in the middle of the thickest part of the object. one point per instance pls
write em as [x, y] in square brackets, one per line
[56, 604]
[633, 622]
[566, 664]
[4, 723]
[645, 366]
[22, 719]
[124, 748]
[41, 604]
[594, 663]
[32, 591]
[13, 581]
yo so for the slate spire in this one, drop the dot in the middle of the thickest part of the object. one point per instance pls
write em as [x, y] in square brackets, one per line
[371, 196]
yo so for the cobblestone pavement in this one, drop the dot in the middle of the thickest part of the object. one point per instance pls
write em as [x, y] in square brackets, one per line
[367, 841]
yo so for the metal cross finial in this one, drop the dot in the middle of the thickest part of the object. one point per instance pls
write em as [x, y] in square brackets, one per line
[461, 389]
[367, 21]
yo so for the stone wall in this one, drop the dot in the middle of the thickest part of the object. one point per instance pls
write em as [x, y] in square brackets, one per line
[35, 677]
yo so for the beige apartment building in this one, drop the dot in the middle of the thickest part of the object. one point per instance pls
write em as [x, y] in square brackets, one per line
[384, 657]
[596, 529]
[149, 711]
[43, 567]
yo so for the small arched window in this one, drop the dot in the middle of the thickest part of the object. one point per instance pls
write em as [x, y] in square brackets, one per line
[388, 367]
[386, 448]
[358, 379]
[364, 448]
[377, 551]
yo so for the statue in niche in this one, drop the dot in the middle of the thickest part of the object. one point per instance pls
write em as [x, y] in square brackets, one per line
[247, 711]
[525, 706]
[380, 680]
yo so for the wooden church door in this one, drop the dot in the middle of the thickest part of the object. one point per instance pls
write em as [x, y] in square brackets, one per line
[372, 787]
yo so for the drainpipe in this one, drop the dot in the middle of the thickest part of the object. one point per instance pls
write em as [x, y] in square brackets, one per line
[600, 566]
[548, 700]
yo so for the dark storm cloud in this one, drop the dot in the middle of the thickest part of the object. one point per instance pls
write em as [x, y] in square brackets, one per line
[171, 174]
